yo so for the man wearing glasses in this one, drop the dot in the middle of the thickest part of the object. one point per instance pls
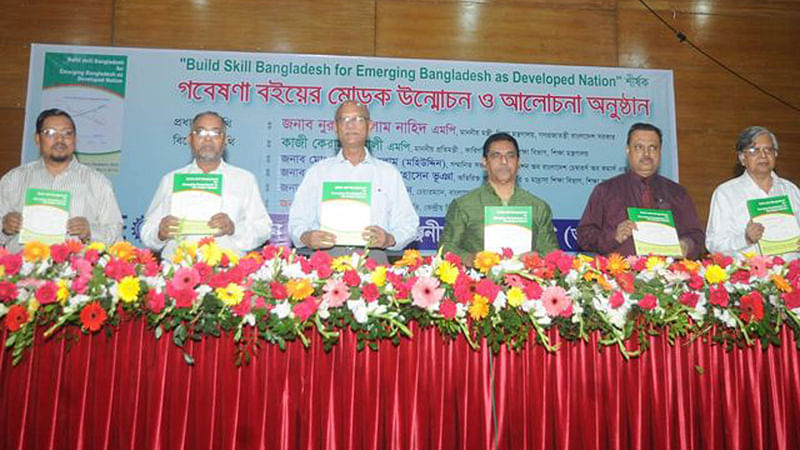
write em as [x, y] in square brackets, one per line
[241, 225]
[393, 220]
[605, 228]
[465, 221]
[730, 229]
[93, 212]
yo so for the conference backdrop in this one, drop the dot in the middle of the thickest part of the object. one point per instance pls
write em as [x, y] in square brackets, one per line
[133, 109]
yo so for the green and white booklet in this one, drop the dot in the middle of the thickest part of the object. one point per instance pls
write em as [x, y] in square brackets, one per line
[44, 216]
[781, 230]
[195, 198]
[345, 210]
[507, 227]
[655, 232]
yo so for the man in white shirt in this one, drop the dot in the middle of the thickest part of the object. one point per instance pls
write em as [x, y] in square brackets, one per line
[393, 219]
[94, 213]
[243, 223]
[730, 229]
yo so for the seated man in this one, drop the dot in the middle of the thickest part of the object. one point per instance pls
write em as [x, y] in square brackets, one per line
[393, 219]
[730, 229]
[605, 227]
[242, 224]
[464, 224]
[94, 213]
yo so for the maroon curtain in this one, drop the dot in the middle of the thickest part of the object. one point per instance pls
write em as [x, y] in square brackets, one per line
[130, 390]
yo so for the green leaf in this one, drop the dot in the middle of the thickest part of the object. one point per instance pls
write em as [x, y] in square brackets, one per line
[159, 331]
[188, 358]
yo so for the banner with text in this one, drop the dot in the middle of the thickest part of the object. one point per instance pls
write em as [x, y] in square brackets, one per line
[133, 109]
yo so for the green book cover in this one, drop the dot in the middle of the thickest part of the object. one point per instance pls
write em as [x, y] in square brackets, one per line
[508, 227]
[781, 230]
[345, 210]
[45, 215]
[195, 198]
[655, 232]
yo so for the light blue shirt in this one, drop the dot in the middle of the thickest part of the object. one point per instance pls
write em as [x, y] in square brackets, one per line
[391, 207]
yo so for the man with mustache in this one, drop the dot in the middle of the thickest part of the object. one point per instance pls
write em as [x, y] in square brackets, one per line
[243, 223]
[464, 224]
[605, 228]
[730, 229]
[393, 220]
[94, 213]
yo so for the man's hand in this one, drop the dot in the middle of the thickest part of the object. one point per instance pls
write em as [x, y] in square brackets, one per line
[377, 237]
[316, 239]
[12, 222]
[686, 246]
[753, 232]
[79, 227]
[167, 228]
[624, 231]
[222, 223]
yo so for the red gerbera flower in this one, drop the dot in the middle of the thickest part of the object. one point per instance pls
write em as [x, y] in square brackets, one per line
[16, 317]
[93, 316]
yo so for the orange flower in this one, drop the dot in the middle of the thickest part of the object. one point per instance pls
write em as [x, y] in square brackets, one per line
[255, 256]
[617, 264]
[485, 260]
[123, 250]
[410, 258]
[299, 288]
[35, 251]
[600, 279]
[73, 245]
[781, 283]
[479, 307]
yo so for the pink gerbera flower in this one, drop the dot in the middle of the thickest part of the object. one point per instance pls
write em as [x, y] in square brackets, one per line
[336, 293]
[426, 292]
[555, 300]
[185, 278]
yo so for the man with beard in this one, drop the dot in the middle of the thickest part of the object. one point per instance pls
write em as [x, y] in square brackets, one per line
[393, 221]
[605, 227]
[464, 224]
[242, 224]
[93, 213]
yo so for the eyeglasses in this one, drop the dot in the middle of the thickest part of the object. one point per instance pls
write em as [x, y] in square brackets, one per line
[639, 149]
[497, 156]
[752, 151]
[203, 133]
[52, 133]
[346, 120]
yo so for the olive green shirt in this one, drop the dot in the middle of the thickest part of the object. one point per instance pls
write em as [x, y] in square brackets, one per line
[463, 227]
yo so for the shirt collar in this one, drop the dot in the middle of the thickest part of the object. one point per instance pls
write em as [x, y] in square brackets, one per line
[72, 164]
[367, 157]
[196, 168]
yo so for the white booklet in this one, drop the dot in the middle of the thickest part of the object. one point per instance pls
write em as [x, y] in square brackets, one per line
[508, 227]
[44, 216]
[655, 232]
[345, 210]
[781, 230]
[195, 198]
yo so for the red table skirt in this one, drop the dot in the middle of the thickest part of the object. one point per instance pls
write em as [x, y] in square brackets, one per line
[133, 391]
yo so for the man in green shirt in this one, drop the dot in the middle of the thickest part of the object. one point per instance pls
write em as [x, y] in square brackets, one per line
[464, 224]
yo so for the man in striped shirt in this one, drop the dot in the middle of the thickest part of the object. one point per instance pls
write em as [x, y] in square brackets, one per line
[94, 213]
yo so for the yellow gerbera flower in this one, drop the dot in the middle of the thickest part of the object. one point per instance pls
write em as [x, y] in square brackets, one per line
[63, 291]
[617, 264]
[479, 307]
[128, 289]
[231, 295]
[211, 253]
[33, 305]
[96, 245]
[655, 263]
[781, 283]
[515, 296]
[715, 274]
[378, 276]
[410, 258]
[448, 272]
[341, 263]
[485, 260]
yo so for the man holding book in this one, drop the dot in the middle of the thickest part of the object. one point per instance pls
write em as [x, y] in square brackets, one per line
[56, 197]
[499, 214]
[208, 197]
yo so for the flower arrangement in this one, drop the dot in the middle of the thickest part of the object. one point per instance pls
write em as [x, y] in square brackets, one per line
[275, 296]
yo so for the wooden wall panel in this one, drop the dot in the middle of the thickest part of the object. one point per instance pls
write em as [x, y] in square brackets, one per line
[83, 22]
[14, 75]
[286, 26]
[13, 120]
[496, 32]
